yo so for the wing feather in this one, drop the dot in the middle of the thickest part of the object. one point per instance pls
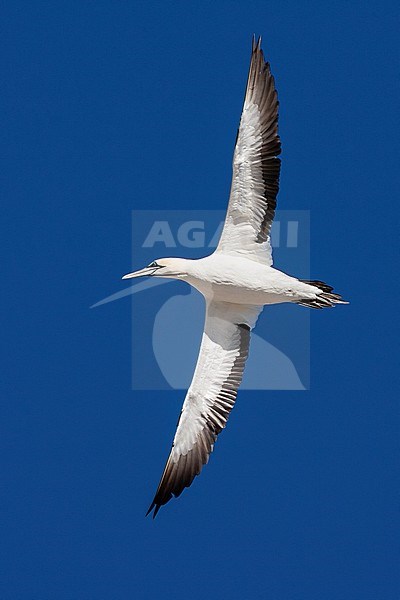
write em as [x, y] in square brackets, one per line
[256, 168]
[210, 398]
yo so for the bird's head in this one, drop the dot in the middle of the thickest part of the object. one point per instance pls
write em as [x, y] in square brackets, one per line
[175, 268]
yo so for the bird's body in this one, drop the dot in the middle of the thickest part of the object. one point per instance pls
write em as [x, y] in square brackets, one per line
[237, 280]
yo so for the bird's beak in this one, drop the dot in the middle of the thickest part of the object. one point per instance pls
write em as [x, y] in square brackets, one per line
[142, 273]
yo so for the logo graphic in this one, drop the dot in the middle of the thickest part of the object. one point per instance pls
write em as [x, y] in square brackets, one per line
[168, 322]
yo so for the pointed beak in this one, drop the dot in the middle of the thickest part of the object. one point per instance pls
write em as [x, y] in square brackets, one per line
[142, 273]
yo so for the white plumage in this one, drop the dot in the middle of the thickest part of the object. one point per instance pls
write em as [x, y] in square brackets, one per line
[237, 280]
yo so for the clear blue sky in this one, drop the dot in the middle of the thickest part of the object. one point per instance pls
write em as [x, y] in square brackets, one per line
[112, 106]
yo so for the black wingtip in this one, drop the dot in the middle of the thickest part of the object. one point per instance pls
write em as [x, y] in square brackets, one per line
[150, 509]
[156, 509]
[255, 43]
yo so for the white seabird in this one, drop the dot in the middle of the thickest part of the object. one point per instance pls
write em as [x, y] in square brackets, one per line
[237, 280]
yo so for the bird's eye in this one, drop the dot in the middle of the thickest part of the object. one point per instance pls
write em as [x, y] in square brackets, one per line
[153, 264]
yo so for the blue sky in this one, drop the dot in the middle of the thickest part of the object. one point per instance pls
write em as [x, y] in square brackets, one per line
[108, 107]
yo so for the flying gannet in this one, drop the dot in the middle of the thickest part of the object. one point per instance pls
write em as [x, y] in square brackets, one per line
[237, 280]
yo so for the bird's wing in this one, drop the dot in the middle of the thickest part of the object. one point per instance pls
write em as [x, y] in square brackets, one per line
[210, 397]
[256, 168]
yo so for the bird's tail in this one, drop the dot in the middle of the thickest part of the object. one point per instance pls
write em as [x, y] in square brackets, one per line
[325, 300]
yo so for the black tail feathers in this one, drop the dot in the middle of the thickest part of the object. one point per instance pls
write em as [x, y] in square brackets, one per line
[325, 300]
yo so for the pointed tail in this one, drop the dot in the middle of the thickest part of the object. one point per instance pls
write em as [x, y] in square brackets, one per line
[325, 300]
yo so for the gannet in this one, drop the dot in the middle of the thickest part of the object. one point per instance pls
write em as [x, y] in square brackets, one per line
[237, 281]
